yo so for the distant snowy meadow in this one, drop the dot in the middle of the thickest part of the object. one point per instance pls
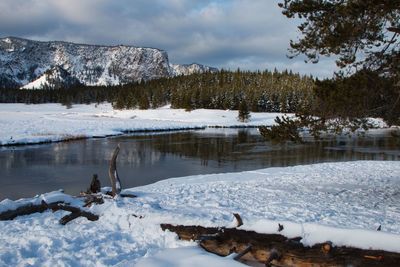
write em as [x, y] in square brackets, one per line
[28, 124]
[40, 123]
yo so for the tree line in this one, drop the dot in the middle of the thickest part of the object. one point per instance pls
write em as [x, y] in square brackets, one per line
[266, 91]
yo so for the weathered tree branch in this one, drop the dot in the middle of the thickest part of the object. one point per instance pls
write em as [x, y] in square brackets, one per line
[394, 29]
[242, 253]
[27, 210]
[43, 206]
[92, 199]
[238, 219]
[75, 213]
[112, 172]
[277, 250]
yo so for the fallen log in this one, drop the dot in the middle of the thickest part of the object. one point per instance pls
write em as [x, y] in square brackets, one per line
[242, 253]
[92, 199]
[277, 250]
[43, 206]
[75, 213]
[27, 210]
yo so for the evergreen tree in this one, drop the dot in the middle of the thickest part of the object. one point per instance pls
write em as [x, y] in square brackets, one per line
[244, 113]
[365, 37]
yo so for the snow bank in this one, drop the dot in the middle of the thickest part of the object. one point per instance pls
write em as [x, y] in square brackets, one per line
[188, 256]
[312, 233]
[27, 124]
[341, 202]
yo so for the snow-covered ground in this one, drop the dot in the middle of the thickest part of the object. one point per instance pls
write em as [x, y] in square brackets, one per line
[20, 123]
[341, 202]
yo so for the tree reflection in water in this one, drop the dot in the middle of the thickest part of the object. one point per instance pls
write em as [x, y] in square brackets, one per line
[147, 158]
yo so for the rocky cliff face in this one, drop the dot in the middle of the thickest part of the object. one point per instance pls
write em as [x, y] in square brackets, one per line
[26, 63]
[54, 78]
[187, 69]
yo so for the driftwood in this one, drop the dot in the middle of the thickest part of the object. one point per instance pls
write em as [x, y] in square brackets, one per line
[95, 185]
[394, 29]
[127, 195]
[92, 199]
[239, 220]
[242, 253]
[91, 196]
[112, 172]
[26, 210]
[31, 208]
[277, 250]
[75, 213]
[114, 178]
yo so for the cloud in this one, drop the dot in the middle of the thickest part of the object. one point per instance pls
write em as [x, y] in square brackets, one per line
[226, 34]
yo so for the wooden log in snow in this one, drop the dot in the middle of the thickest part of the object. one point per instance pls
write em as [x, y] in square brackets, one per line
[277, 250]
[92, 199]
[394, 29]
[75, 213]
[31, 208]
[27, 210]
[243, 252]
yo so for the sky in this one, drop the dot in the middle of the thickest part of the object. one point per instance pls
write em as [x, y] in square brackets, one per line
[229, 34]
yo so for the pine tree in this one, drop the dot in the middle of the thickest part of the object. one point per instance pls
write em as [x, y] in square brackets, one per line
[364, 37]
[244, 113]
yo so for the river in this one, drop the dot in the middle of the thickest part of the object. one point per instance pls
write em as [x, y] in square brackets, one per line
[146, 158]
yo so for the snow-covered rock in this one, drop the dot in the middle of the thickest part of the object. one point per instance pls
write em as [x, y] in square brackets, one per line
[53, 78]
[25, 63]
[187, 69]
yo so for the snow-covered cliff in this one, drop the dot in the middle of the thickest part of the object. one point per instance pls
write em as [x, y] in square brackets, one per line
[26, 63]
[187, 69]
[53, 78]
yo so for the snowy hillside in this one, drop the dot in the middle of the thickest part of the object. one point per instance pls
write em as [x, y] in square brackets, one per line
[54, 78]
[24, 61]
[187, 69]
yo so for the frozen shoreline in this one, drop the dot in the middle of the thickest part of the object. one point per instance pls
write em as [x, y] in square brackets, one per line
[43, 123]
[340, 202]
[22, 124]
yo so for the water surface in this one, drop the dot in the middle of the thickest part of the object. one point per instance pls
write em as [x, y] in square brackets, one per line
[29, 170]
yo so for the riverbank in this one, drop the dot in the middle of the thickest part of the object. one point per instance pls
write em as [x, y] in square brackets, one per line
[43, 123]
[341, 202]
[22, 124]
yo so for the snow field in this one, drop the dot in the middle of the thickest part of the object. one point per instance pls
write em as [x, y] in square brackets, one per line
[340, 202]
[39, 123]
[28, 124]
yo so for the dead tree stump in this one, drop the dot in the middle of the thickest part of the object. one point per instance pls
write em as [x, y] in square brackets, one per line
[95, 185]
[112, 172]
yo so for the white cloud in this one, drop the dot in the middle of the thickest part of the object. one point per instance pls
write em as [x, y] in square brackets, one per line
[237, 33]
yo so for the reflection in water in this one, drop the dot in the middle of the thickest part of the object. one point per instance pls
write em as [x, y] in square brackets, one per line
[144, 159]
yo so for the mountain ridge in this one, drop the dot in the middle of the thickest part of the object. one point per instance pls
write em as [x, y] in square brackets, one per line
[24, 62]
